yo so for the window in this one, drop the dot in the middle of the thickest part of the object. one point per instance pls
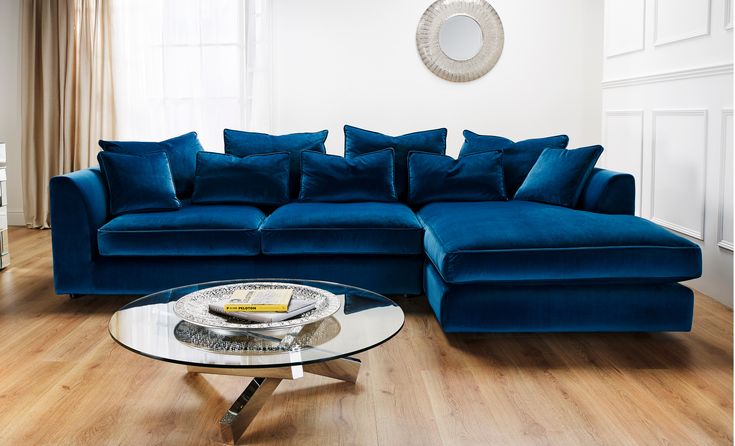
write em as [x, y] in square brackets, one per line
[183, 65]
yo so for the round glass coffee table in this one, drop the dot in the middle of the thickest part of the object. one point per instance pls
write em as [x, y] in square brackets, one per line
[150, 327]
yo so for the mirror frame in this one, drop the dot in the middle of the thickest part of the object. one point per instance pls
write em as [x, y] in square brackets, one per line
[427, 39]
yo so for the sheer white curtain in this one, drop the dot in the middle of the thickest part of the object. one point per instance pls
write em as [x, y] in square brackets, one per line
[183, 65]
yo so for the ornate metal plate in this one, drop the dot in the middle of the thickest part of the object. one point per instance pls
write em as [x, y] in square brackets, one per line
[194, 307]
[427, 39]
[255, 342]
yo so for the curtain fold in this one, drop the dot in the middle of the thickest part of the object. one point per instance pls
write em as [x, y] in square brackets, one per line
[67, 93]
[135, 69]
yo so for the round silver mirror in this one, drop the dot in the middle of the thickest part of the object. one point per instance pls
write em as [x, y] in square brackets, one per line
[460, 40]
[460, 37]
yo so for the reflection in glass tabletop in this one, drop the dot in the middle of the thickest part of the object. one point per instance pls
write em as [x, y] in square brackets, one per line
[150, 327]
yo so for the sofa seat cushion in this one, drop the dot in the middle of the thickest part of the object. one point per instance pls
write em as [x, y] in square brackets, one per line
[342, 228]
[193, 230]
[526, 242]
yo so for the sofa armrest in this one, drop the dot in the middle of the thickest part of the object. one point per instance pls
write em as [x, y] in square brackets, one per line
[608, 192]
[78, 209]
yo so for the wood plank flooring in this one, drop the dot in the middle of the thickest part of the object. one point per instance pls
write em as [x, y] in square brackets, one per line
[64, 381]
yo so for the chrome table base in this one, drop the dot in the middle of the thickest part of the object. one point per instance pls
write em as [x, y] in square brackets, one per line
[265, 381]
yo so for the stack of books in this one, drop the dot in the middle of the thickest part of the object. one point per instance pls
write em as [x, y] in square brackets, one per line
[272, 305]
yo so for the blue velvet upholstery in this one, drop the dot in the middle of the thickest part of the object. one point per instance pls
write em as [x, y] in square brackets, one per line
[256, 179]
[558, 308]
[608, 192]
[474, 143]
[559, 176]
[79, 206]
[522, 288]
[240, 143]
[523, 242]
[195, 230]
[143, 275]
[359, 141]
[433, 177]
[181, 152]
[518, 157]
[331, 178]
[342, 228]
[138, 183]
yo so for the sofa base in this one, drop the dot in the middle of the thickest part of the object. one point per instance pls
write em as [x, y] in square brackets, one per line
[145, 275]
[484, 307]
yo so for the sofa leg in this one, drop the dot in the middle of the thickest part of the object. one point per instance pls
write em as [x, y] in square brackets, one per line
[73, 296]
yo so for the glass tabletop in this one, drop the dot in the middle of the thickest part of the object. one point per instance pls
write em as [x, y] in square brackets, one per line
[149, 326]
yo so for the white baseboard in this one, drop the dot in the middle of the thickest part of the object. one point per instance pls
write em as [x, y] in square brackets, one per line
[15, 218]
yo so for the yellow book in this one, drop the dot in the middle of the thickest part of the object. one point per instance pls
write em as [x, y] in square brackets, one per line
[274, 301]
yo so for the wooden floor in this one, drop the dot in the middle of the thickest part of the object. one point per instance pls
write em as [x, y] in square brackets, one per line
[64, 381]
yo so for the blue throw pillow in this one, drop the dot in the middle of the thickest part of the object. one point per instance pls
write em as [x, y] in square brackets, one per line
[518, 157]
[359, 142]
[559, 176]
[332, 178]
[241, 143]
[181, 152]
[476, 177]
[255, 179]
[138, 183]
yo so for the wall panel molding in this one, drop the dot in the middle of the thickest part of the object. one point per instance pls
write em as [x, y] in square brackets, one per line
[657, 154]
[660, 37]
[728, 14]
[699, 235]
[637, 25]
[668, 76]
[726, 165]
[636, 114]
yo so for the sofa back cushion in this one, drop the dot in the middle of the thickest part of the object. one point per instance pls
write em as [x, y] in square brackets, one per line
[138, 183]
[240, 143]
[476, 177]
[559, 176]
[256, 179]
[331, 178]
[518, 157]
[359, 142]
[181, 152]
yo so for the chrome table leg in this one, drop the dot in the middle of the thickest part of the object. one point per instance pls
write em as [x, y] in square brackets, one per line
[243, 411]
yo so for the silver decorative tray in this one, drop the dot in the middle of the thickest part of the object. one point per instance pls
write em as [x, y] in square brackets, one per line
[256, 342]
[194, 307]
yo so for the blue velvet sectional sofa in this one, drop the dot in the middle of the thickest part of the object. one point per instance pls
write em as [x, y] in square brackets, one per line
[496, 266]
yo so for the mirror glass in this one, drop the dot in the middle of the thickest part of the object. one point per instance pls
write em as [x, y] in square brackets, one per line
[460, 37]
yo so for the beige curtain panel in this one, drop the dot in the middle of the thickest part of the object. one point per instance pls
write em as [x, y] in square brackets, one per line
[67, 96]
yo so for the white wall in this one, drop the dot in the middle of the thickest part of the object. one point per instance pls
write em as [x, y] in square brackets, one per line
[10, 130]
[355, 62]
[667, 98]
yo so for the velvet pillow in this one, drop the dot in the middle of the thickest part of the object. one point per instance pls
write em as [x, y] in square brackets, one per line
[359, 141]
[181, 152]
[138, 183]
[241, 143]
[332, 178]
[256, 179]
[559, 176]
[476, 177]
[518, 157]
